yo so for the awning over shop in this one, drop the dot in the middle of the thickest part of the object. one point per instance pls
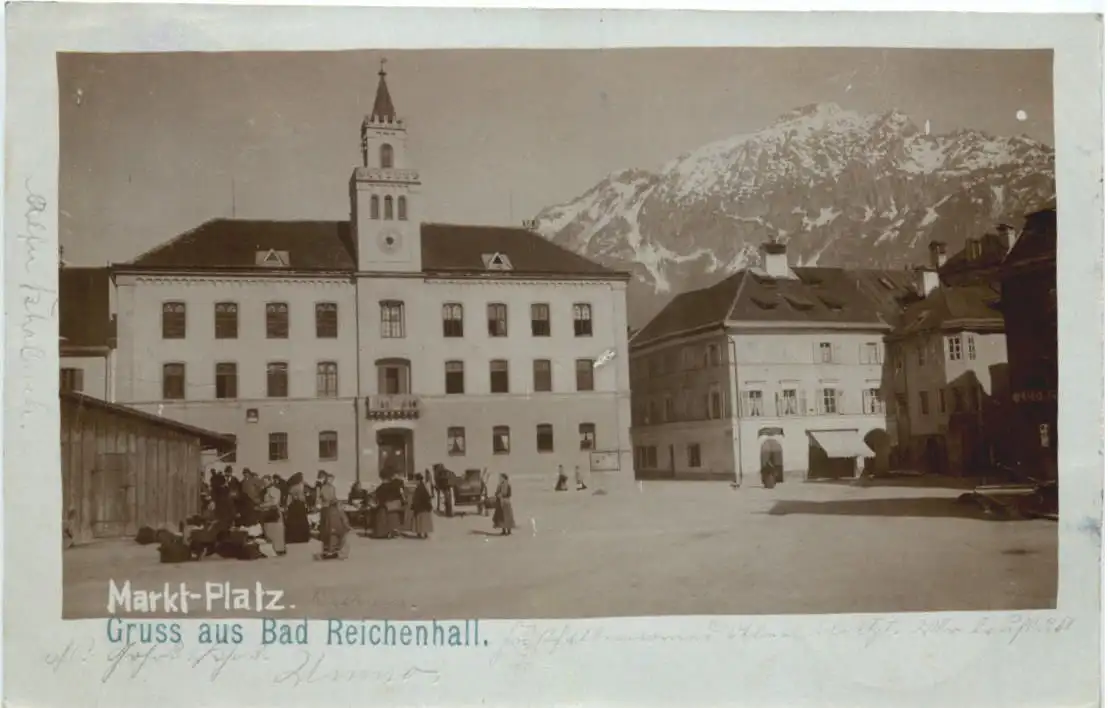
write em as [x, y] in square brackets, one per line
[841, 443]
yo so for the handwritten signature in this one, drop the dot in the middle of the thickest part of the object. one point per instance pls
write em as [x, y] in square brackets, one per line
[39, 303]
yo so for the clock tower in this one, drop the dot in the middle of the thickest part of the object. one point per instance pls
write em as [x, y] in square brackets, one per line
[384, 192]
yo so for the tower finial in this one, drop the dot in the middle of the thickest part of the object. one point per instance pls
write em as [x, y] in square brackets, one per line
[383, 62]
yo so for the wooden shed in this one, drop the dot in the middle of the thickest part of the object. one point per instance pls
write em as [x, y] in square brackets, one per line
[123, 468]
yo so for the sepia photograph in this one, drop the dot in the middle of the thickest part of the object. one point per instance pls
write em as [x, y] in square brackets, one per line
[508, 333]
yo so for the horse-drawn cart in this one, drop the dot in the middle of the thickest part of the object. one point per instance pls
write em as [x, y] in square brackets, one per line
[453, 490]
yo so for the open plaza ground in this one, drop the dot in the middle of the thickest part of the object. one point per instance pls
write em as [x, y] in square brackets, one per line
[665, 548]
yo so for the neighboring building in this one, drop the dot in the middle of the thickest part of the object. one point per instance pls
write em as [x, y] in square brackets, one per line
[947, 352]
[381, 342]
[978, 263]
[772, 365]
[1030, 305]
[86, 329]
[123, 469]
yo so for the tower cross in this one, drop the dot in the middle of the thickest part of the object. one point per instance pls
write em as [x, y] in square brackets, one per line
[383, 62]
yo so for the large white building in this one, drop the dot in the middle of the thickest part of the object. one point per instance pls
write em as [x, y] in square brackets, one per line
[383, 341]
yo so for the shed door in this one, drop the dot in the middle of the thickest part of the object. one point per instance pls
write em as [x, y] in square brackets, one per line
[111, 490]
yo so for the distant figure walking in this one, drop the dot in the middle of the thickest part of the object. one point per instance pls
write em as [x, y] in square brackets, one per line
[504, 517]
[563, 480]
[333, 524]
[580, 478]
[423, 524]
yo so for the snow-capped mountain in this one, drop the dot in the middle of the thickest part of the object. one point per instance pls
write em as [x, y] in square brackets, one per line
[842, 188]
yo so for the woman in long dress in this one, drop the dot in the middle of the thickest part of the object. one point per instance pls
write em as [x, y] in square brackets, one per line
[423, 525]
[504, 517]
[297, 528]
[273, 525]
[333, 524]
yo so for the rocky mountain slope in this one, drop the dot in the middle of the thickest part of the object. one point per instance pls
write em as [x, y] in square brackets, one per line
[840, 187]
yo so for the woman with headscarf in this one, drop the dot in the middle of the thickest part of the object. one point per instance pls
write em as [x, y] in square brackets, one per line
[333, 524]
[504, 517]
[422, 525]
[223, 506]
[297, 528]
[269, 511]
[386, 499]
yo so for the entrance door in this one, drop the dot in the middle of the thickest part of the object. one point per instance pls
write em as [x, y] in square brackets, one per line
[773, 458]
[111, 492]
[392, 452]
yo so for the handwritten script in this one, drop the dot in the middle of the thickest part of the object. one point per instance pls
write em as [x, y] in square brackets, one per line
[37, 304]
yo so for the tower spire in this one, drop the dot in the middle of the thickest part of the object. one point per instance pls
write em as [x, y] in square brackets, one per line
[383, 110]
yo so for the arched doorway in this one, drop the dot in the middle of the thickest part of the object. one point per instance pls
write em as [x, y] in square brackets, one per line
[772, 457]
[394, 452]
[879, 441]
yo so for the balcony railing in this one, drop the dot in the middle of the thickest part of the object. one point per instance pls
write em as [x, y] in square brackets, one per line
[396, 406]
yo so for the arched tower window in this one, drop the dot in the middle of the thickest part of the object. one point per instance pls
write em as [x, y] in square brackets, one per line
[374, 207]
[402, 208]
[388, 208]
[386, 156]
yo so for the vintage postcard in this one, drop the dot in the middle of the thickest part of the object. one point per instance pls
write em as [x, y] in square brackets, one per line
[420, 357]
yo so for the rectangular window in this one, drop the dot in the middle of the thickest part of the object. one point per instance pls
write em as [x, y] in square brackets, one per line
[942, 401]
[277, 379]
[226, 320]
[830, 400]
[924, 403]
[501, 440]
[921, 355]
[789, 402]
[669, 412]
[326, 320]
[173, 320]
[277, 320]
[173, 382]
[585, 380]
[278, 447]
[715, 404]
[543, 379]
[971, 347]
[954, 348]
[712, 355]
[498, 319]
[826, 353]
[498, 376]
[227, 380]
[328, 446]
[540, 320]
[73, 380]
[692, 453]
[393, 378]
[455, 377]
[392, 319]
[872, 403]
[587, 434]
[871, 353]
[453, 322]
[455, 441]
[959, 402]
[752, 404]
[582, 320]
[327, 379]
[544, 437]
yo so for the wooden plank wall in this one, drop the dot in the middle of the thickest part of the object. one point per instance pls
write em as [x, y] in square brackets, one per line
[121, 473]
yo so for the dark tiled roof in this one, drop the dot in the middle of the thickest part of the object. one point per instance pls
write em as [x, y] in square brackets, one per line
[327, 246]
[382, 104]
[994, 247]
[816, 295]
[1039, 239]
[458, 248]
[963, 307]
[234, 243]
[206, 437]
[84, 307]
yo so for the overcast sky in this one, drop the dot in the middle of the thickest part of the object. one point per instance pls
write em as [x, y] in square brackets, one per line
[155, 144]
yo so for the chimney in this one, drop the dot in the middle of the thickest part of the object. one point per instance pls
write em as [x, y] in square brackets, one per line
[938, 254]
[927, 280]
[775, 259]
[1008, 235]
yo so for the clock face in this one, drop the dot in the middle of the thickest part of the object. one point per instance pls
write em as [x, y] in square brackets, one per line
[390, 241]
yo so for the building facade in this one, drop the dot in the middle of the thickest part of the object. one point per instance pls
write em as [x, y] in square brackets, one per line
[773, 366]
[1030, 305]
[382, 342]
[86, 329]
[949, 359]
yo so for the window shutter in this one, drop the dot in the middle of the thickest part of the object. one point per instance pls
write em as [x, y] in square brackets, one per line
[837, 353]
[802, 401]
[862, 354]
[839, 398]
[777, 403]
[815, 352]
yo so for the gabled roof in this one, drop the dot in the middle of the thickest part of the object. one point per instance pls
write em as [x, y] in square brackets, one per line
[207, 438]
[993, 249]
[816, 295]
[84, 308]
[327, 246]
[952, 308]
